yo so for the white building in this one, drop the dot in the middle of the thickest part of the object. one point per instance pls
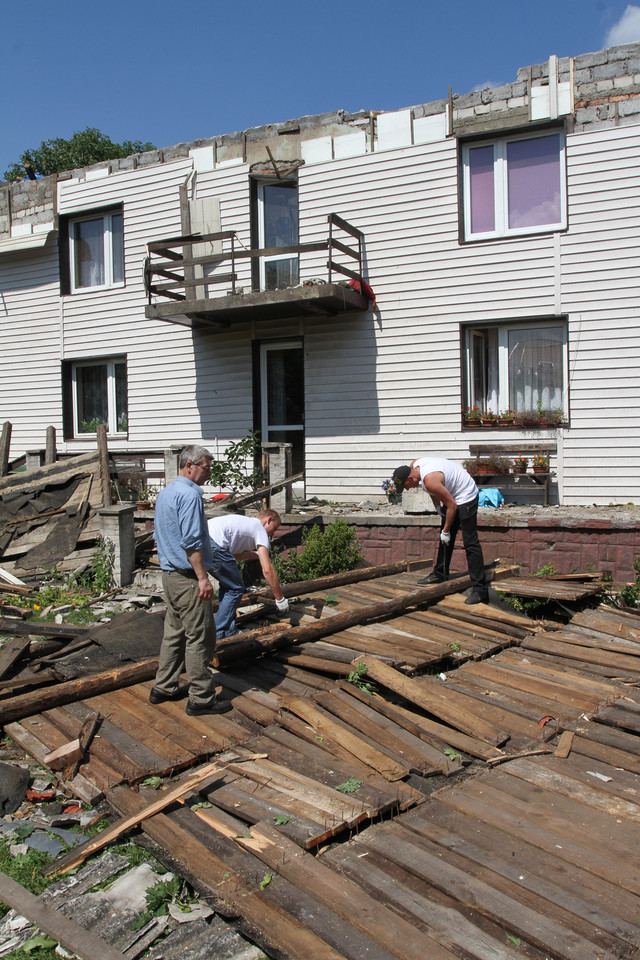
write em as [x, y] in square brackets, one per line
[498, 230]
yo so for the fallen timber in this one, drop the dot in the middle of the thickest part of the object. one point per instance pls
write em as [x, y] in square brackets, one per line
[252, 644]
[529, 855]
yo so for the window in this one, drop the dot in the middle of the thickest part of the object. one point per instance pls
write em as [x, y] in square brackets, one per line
[519, 367]
[99, 395]
[96, 250]
[278, 227]
[514, 185]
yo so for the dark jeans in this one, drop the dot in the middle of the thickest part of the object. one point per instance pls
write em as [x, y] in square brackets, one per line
[466, 519]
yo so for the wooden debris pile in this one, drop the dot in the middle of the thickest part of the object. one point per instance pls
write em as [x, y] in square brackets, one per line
[314, 824]
[46, 512]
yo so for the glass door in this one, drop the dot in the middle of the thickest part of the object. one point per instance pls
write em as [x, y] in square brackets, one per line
[282, 396]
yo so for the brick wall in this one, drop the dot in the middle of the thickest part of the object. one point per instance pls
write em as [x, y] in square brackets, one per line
[571, 545]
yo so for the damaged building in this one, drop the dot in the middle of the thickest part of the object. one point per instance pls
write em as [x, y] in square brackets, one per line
[362, 286]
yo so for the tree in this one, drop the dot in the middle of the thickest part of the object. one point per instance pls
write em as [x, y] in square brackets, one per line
[84, 148]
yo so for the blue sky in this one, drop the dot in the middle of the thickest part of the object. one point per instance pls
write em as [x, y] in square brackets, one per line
[165, 71]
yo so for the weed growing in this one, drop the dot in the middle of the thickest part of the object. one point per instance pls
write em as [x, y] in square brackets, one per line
[629, 595]
[26, 869]
[356, 677]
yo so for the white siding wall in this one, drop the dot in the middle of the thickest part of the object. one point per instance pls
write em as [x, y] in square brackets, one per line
[30, 364]
[601, 293]
[385, 388]
[379, 388]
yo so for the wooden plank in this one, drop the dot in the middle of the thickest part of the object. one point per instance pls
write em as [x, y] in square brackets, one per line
[142, 730]
[546, 589]
[56, 473]
[270, 913]
[525, 866]
[35, 629]
[489, 801]
[89, 788]
[67, 932]
[11, 653]
[599, 796]
[428, 730]
[571, 651]
[343, 897]
[453, 708]
[427, 908]
[324, 725]
[409, 749]
[503, 906]
[253, 807]
[336, 807]
[313, 759]
[541, 867]
[79, 854]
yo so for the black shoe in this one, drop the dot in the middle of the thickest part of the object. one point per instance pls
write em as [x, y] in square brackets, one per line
[157, 696]
[202, 709]
[477, 596]
[432, 578]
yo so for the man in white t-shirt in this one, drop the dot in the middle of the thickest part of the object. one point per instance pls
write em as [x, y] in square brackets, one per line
[455, 497]
[235, 537]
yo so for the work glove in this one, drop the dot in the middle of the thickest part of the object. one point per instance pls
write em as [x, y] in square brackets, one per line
[445, 536]
[282, 605]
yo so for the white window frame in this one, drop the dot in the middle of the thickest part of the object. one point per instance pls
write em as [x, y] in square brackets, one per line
[502, 401]
[263, 261]
[108, 241]
[112, 425]
[500, 186]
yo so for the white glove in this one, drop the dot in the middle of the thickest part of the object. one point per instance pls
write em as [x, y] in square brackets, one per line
[282, 605]
[445, 536]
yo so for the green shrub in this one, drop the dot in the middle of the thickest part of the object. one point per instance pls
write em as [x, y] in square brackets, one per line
[334, 550]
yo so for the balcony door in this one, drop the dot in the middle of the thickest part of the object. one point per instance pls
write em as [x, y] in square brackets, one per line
[278, 227]
[282, 396]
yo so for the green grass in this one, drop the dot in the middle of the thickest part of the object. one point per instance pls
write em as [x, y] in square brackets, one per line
[25, 870]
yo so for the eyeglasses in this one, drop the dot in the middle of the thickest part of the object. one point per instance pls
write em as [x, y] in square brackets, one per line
[203, 466]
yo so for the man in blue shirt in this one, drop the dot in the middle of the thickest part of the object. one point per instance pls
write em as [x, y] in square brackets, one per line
[184, 552]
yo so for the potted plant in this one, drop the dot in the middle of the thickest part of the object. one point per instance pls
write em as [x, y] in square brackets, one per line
[540, 417]
[471, 416]
[393, 493]
[146, 497]
[541, 463]
[479, 466]
[488, 418]
[520, 464]
[506, 418]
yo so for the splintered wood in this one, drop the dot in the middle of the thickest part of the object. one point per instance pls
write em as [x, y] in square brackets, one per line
[344, 738]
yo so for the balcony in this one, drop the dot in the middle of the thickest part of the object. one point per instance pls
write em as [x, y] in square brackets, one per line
[185, 285]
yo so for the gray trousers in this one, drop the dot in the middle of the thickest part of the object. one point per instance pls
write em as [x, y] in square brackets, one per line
[189, 638]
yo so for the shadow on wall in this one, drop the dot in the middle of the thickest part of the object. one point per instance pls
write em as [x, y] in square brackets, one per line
[340, 358]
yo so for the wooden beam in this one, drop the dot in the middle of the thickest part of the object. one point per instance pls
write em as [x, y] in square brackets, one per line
[68, 933]
[50, 453]
[5, 442]
[36, 701]
[250, 645]
[105, 472]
